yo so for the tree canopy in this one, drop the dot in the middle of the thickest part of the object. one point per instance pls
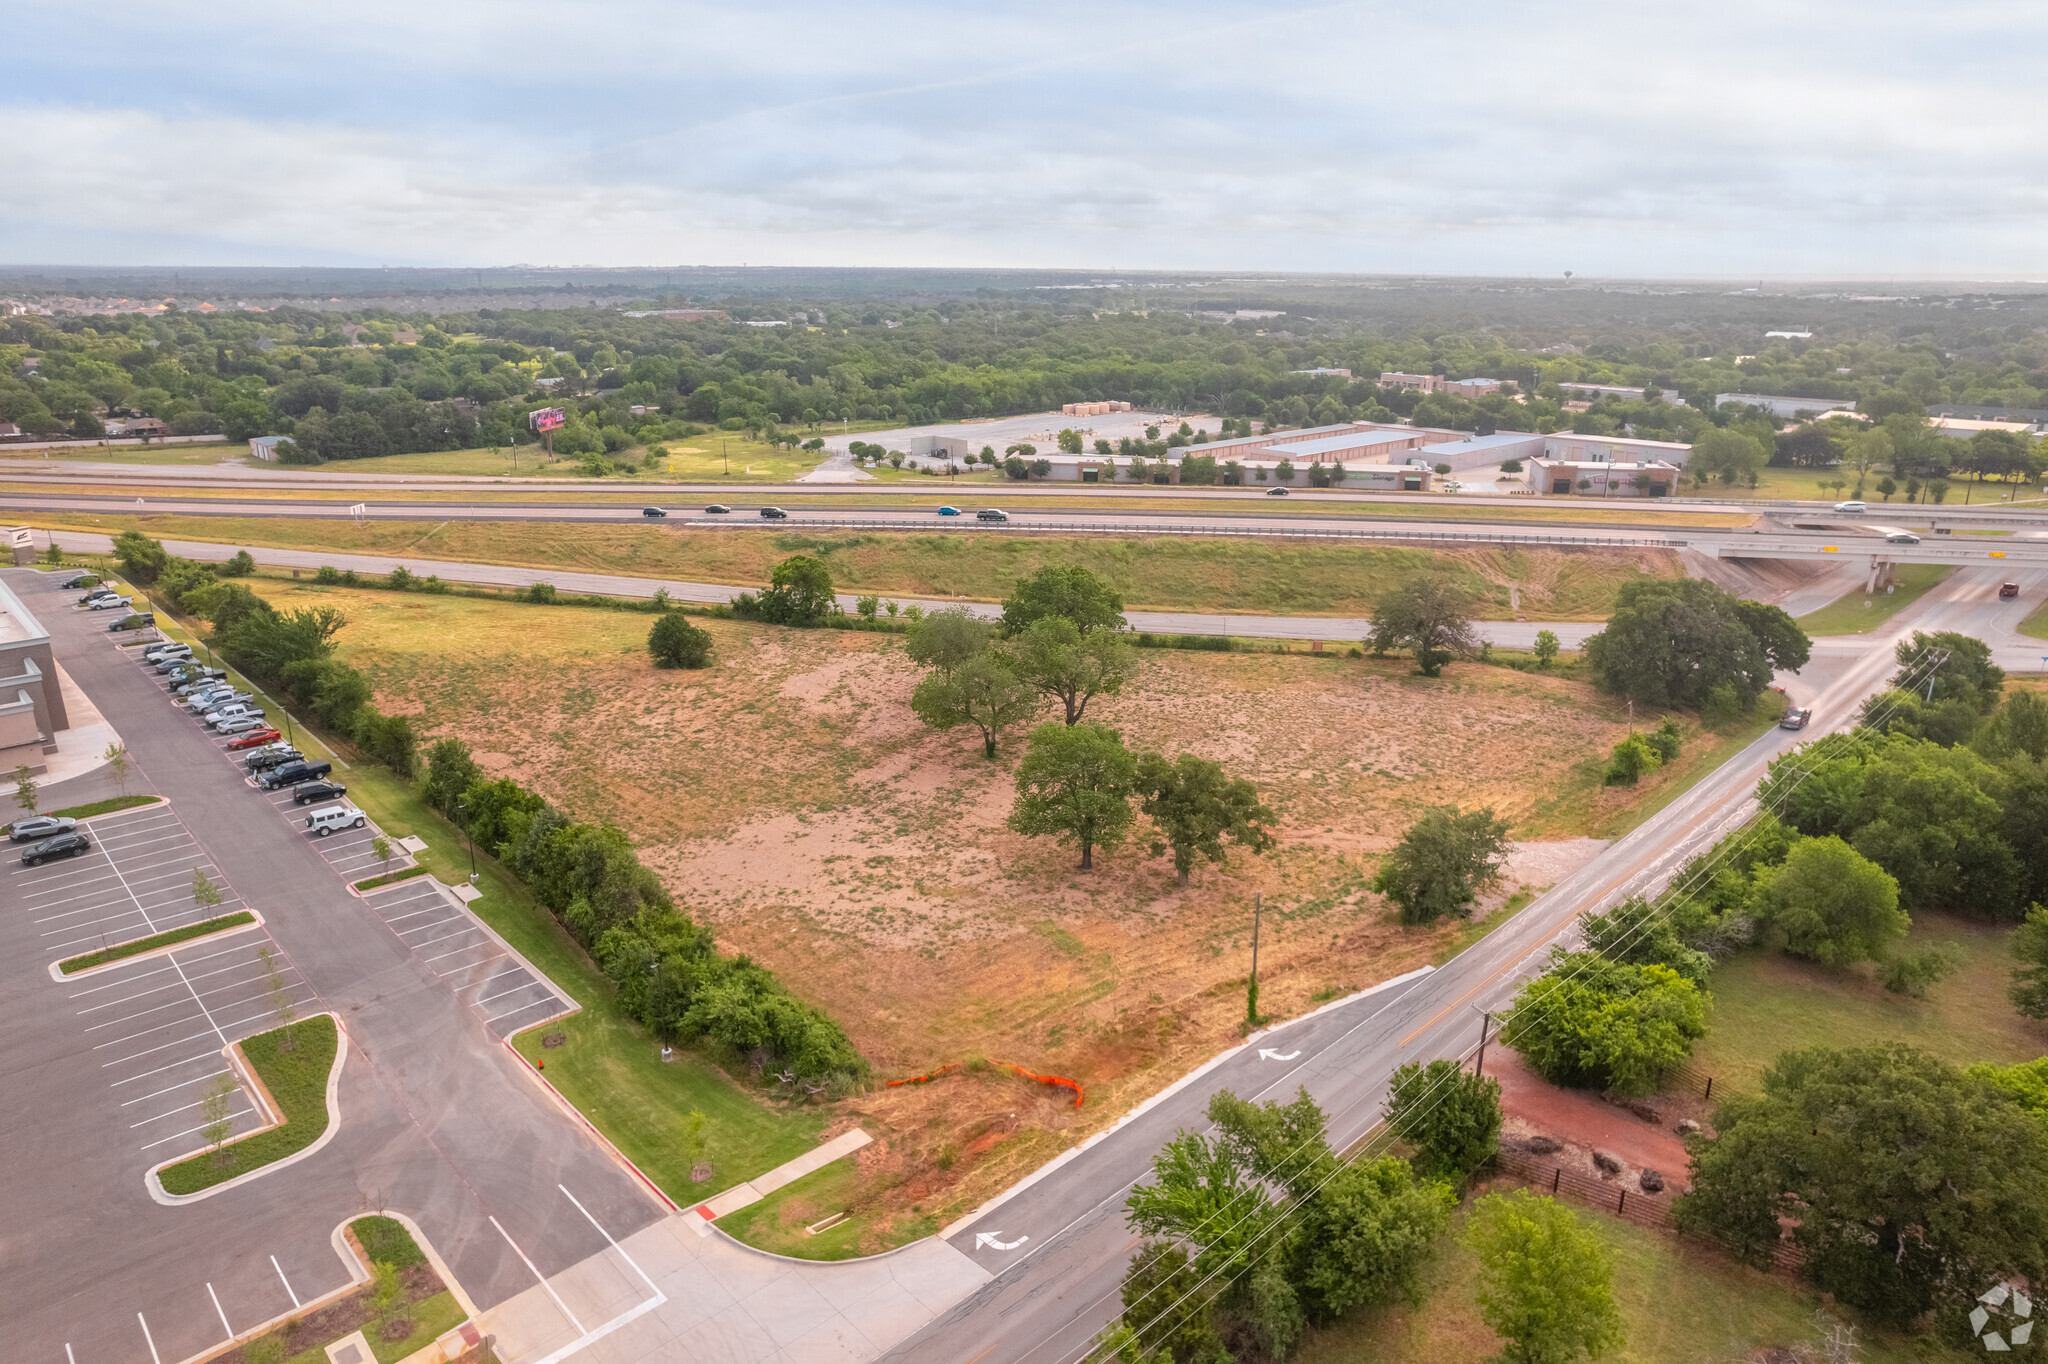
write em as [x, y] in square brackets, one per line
[1075, 783]
[1430, 616]
[1442, 862]
[1064, 590]
[1670, 642]
[1195, 806]
[1546, 1284]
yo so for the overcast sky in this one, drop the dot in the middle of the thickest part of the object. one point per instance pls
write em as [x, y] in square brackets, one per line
[1818, 137]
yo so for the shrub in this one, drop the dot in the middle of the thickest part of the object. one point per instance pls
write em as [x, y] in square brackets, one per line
[240, 566]
[1632, 757]
[1441, 862]
[1450, 1117]
[675, 643]
[1591, 1023]
[539, 594]
[326, 575]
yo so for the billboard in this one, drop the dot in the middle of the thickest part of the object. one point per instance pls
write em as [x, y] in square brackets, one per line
[546, 419]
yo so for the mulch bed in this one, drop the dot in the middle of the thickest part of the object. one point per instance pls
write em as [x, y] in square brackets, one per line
[351, 1313]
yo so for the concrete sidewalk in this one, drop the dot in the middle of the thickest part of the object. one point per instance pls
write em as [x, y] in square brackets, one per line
[669, 1293]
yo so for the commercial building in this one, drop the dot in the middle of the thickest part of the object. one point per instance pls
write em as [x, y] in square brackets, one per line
[1474, 452]
[1472, 388]
[1787, 407]
[1322, 372]
[31, 701]
[1962, 428]
[1602, 478]
[265, 447]
[1570, 445]
[1093, 409]
[1359, 445]
[1421, 383]
[1573, 389]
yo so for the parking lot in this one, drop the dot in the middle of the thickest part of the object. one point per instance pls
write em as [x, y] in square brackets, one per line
[450, 942]
[136, 880]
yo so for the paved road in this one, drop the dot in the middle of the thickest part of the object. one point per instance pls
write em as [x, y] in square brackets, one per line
[1058, 1246]
[438, 1121]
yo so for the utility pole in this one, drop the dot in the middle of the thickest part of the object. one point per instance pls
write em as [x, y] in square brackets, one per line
[1479, 1065]
[463, 806]
[1251, 993]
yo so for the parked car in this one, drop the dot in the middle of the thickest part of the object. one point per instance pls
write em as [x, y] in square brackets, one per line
[949, 511]
[774, 514]
[991, 514]
[292, 773]
[243, 724]
[1796, 717]
[206, 698]
[317, 790]
[157, 653]
[1902, 537]
[2008, 590]
[276, 755]
[70, 843]
[717, 509]
[95, 594]
[78, 580]
[174, 663]
[255, 738]
[653, 511]
[1850, 508]
[183, 684]
[1276, 492]
[141, 620]
[325, 822]
[38, 827]
[109, 603]
[239, 710]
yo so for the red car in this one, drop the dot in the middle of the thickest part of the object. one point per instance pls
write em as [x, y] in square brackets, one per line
[255, 738]
[2008, 590]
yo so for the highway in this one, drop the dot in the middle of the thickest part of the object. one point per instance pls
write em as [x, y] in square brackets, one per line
[1058, 1243]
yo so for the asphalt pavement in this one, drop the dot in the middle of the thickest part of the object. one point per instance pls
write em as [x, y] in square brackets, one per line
[438, 1121]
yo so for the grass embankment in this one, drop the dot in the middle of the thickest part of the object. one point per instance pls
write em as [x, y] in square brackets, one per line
[705, 458]
[137, 946]
[1859, 612]
[197, 452]
[779, 1222]
[1679, 1300]
[1162, 573]
[1766, 1003]
[2035, 626]
[297, 1080]
[105, 807]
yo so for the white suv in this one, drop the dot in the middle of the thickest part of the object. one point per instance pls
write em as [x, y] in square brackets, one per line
[325, 822]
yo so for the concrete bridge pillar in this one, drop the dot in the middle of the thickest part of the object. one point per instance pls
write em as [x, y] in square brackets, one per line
[1880, 574]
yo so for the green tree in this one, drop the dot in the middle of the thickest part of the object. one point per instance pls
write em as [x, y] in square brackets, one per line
[1728, 455]
[1070, 441]
[1053, 655]
[1908, 1184]
[674, 642]
[216, 1108]
[450, 770]
[1590, 1023]
[1546, 1284]
[981, 691]
[205, 894]
[1450, 1117]
[141, 558]
[1429, 615]
[1670, 641]
[240, 566]
[1546, 648]
[2030, 978]
[25, 788]
[116, 758]
[1194, 806]
[948, 638]
[1632, 757]
[2020, 726]
[1442, 862]
[1066, 590]
[1965, 673]
[1833, 905]
[1076, 782]
[799, 593]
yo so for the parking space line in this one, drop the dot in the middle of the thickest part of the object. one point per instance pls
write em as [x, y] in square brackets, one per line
[224, 1316]
[124, 1060]
[429, 942]
[523, 985]
[152, 1343]
[455, 952]
[551, 999]
[160, 1069]
[286, 1282]
[238, 1113]
[174, 1088]
[536, 1274]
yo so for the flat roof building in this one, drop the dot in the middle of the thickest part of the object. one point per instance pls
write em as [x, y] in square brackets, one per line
[1786, 407]
[31, 701]
[1604, 478]
[1424, 383]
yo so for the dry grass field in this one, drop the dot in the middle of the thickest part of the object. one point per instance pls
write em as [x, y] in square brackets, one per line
[792, 801]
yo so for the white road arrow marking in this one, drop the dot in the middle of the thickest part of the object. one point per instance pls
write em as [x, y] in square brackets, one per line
[988, 1238]
[1265, 1055]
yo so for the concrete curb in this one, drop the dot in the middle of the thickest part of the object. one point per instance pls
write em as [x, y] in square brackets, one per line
[351, 887]
[361, 1272]
[56, 967]
[155, 1187]
[619, 1158]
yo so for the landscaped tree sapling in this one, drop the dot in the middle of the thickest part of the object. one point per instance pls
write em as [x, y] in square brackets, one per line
[216, 1107]
[25, 788]
[117, 761]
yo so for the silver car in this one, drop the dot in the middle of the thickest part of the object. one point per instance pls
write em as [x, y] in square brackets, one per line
[38, 827]
[237, 711]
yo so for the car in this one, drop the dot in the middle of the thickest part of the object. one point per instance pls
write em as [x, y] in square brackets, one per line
[717, 509]
[949, 511]
[774, 514]
[255, 738]
[38, 827]
[141, 620]
[173, 663]
[242, 723]
[291, 774]
[2008, 590]
[653, 511]
[78, 580]
[70, 843]
[325, 822]
[1276, 492]
[237, 710]
[276, 755]
[1796, 717]
[1902, 537]
[991, 514]
[207, 697]
[157, 653]
[1851, 508]
[184, 684]
[109, 603]
[317, 790]
[97, 593]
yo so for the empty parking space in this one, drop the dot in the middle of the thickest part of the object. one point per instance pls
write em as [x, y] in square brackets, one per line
[156, 1029]
[137, 879]
[451, 943]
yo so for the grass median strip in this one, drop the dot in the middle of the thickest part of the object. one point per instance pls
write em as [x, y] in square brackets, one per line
[390, 877]
[155, 940]
[293, 1062]
[105, 807]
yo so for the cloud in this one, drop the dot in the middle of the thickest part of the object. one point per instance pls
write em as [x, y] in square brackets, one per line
[1489, 137]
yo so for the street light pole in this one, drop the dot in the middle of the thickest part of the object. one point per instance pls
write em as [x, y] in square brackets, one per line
[463, 805]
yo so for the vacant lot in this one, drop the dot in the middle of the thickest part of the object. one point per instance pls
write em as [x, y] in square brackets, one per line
[1161, 573]
[793, 802]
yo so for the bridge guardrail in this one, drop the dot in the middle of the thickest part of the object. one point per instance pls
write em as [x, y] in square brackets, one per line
[1245, 532]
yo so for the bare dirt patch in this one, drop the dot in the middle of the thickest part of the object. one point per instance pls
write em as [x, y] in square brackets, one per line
[792, 801]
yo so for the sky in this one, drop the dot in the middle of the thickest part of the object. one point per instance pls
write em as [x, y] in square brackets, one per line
[1876, 139]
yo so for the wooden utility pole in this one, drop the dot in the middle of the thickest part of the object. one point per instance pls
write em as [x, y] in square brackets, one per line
[1479, 1065]
[1251, 993]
